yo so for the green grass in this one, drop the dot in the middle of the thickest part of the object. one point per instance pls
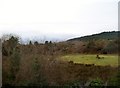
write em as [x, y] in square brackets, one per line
[111, 60]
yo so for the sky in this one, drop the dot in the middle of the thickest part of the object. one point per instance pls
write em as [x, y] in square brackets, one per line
[57, 20]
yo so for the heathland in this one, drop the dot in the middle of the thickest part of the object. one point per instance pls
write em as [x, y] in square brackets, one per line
[84, 61]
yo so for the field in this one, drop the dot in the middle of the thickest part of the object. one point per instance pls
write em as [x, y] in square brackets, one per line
[111, 60]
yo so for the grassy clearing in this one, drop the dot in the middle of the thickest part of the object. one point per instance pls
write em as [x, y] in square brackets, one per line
[111, 60]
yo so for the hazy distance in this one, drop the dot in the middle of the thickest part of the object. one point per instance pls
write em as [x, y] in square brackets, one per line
[57, 20]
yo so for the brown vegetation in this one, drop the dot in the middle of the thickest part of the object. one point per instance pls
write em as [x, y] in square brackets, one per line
[37, 64]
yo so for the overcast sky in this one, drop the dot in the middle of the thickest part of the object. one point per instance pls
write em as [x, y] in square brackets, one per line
[57, 19]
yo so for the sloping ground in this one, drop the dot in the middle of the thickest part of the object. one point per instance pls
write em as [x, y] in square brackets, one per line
[62, 73]
[104, 35]
[56, 73]
[104, 60]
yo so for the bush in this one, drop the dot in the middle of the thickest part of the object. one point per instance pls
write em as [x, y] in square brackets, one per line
[38, 78]
[9, 46]
[73, 84]
[14, 65]
[115, 80]
[11, 49]
[96, 83]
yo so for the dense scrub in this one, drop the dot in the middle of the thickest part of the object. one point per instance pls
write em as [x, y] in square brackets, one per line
[39, 65]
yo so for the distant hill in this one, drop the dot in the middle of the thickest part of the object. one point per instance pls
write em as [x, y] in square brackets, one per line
[104, 35]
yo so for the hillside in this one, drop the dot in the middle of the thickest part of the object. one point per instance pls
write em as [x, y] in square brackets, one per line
[63, 64]
[104, 35]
